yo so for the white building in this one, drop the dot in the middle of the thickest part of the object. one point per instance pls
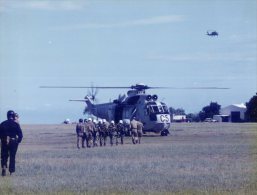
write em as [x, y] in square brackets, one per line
[236, 112]
[179, 118]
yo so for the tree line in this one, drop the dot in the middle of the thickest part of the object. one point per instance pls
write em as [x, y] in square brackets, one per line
[214, 109]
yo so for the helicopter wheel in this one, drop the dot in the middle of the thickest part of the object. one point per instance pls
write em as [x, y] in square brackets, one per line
[165, 132]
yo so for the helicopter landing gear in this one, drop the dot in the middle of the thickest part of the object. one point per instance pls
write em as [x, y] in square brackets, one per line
[165, 132]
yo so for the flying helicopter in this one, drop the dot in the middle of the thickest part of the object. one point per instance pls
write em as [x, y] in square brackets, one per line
[154, 114]
[212, 33]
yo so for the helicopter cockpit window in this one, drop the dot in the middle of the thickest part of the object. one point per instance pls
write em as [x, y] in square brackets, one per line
[155, 109]
[165, 109]
[160, 109]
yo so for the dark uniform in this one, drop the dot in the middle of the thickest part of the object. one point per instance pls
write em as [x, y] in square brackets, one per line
[11, 136]
[139, 130]
[80, 130]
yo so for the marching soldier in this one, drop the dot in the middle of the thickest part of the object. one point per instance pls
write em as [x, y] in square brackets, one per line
[85, 132]
[105, 127]
[10, 135]
[80, 130]
[139, 130]
[101, 132]
[111, 131]
[95, 133]
[89, 128]
[120, 129]
[133, 127]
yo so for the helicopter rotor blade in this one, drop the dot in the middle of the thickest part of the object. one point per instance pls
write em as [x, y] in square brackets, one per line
[84, 87]
[188, 88]
[133, 87]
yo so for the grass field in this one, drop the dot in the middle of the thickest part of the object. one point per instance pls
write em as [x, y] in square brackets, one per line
[197, 158]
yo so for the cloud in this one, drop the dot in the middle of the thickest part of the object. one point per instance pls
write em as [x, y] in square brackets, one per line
[47, 5]
[137, 22]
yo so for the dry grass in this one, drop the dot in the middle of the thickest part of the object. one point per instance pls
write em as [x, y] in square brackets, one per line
[198, 158]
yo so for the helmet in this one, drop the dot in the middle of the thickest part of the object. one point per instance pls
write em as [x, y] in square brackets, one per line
[100, 121]
[120, 121]
[80, 120]
[89, 119]
[104, 120]
[112, 122]
[85, 120]
[10, 114]
[94, 121]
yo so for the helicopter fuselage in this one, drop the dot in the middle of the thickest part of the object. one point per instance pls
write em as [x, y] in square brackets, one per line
[152, 113]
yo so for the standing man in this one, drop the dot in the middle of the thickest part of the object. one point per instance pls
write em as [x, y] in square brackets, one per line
[105, 127]
[95, 133]
[11, 135]
[100, 131]
[80, 130]
[111, 131]
[139, 130]
[120, 132]
[89, 128]
[133, 127]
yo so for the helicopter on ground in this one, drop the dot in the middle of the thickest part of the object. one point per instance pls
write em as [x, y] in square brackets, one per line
[212, 33]
[137, 103]
[154, 114]
[144, 107]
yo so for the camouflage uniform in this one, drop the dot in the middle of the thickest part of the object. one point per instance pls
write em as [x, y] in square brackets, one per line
[96, 135]
[104, 129]
[111, 132]
[80, 130]
[133, 127]
[120, 129]
[89, 128]
[139, 130]
[101, 132]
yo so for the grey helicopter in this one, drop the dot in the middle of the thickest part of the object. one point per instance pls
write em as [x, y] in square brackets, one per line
[212, 33]
[154, 114]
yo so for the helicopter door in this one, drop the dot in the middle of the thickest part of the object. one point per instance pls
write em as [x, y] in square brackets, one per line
[118, 113]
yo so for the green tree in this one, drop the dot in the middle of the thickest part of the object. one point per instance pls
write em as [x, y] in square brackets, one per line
[251, 109]
[180, 111]
[193, 117]
[209, 111]
[172, 111]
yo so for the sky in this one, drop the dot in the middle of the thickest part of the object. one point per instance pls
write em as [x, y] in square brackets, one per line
[121, 43]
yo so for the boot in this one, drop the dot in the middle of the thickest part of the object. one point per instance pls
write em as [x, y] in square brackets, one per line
[3, 172]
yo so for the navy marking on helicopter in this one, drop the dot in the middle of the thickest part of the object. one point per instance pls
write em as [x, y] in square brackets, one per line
[137, 103]
[212, 33]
